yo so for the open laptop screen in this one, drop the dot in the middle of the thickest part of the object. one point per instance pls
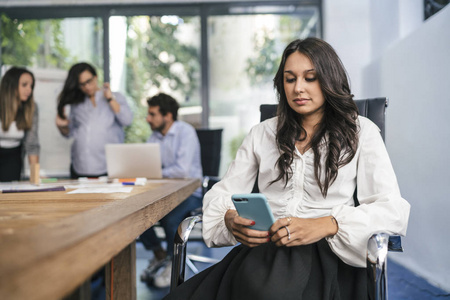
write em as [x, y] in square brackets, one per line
[133, 160]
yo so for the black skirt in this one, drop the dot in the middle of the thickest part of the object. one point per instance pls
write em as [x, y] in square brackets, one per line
[11, 163]
[271, 272]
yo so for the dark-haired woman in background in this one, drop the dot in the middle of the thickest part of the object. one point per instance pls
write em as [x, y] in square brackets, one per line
[309, 160]
[19, 123]
[97, 117]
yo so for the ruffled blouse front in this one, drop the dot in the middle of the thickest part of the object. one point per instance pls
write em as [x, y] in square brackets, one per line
[382, 208]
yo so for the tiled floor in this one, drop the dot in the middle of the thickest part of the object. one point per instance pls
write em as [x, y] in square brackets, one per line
[402, 284]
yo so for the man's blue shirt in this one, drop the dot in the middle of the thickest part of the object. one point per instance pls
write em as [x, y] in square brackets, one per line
[180, 152]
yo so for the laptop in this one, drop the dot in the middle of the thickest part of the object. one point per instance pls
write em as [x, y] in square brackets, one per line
[133, 160]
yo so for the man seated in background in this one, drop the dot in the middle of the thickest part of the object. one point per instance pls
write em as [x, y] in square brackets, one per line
[180, 157]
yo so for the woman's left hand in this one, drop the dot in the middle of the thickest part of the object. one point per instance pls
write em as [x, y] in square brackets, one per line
[292, 231]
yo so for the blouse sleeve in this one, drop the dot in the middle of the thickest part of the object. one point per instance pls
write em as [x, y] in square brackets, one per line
[381, 209]
[239, 178]
[125, 116]
[31, 139]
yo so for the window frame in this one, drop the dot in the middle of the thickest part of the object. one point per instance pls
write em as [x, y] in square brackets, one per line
[204, 10]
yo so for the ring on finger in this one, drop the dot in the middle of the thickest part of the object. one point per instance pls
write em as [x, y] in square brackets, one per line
[288, 233]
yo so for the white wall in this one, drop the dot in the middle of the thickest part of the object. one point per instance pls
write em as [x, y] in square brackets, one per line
[389, 50]
[54, 158]
[416, 76]
[347, 29]
[360, 32]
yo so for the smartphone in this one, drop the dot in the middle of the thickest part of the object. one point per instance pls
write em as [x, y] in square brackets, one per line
[254, 207]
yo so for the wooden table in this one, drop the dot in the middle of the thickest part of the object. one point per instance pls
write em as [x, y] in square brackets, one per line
[52, 242]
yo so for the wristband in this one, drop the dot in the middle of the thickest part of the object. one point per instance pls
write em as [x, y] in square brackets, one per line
[110, 99]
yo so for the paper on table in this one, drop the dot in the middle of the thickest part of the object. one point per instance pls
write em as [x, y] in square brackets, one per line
[93, 185]
[132, 181]
[28, 188]
[105, 190]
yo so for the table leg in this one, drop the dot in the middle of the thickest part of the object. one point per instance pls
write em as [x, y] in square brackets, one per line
[83, 292]
[120, 279]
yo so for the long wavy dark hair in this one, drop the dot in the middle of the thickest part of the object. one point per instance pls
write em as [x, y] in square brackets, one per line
[71, 93]
[11, 107]
[338, 126]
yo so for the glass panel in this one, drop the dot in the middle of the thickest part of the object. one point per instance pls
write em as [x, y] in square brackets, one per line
[156, 54]
[244, 53]
[48, 48]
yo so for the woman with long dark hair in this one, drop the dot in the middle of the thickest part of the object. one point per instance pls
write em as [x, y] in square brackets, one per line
[309, 160]
[19, 123]
[97, 117]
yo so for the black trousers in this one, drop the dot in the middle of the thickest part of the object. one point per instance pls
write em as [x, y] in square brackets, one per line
[267, 272]
[11, 163]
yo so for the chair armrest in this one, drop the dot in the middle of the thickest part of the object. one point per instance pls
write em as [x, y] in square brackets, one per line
[377, 250]
[179, 253]
[395, 243]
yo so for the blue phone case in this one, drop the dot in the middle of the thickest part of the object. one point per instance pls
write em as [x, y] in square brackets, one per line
[254, 207]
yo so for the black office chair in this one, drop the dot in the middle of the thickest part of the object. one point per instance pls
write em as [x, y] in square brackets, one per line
[378, 244]
[210, 147]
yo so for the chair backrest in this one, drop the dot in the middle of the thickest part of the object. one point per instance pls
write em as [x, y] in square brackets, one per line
[210, 146]
[373, 108]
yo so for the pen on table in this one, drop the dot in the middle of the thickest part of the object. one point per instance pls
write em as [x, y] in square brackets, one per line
[128, 183]
[127, 180]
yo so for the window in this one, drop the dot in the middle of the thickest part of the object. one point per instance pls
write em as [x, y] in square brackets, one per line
[433, 6]
[217, 59]
[244, 54]
[154, 54]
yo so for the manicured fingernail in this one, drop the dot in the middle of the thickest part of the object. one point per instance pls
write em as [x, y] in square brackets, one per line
[268, 239]
[253, 223]
[268, 234]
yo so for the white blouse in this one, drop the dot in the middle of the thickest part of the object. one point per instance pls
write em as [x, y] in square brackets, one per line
[11, 138]
[382, 208]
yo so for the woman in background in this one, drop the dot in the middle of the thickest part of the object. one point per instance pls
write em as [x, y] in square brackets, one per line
[19, 123]
[97, 117]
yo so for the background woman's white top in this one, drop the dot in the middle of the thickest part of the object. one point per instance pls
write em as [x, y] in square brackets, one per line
[11, 138]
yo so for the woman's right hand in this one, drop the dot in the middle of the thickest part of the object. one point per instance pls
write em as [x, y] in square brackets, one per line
[238, 227]
[63, 125]
[60, 122]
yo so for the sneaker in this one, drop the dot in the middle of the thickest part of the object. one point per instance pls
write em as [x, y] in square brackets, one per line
[162, 277]
[154, 265]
